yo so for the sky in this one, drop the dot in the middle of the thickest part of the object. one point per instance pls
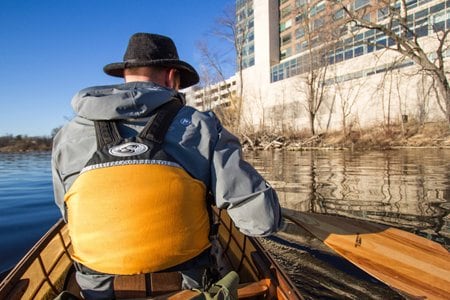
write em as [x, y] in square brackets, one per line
[50, 49]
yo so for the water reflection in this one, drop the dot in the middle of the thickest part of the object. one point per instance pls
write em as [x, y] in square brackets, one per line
[406, 188]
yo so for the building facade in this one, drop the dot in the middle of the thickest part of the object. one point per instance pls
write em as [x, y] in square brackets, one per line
[303, 65]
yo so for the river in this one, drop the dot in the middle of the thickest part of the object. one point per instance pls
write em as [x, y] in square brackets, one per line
[406, 188]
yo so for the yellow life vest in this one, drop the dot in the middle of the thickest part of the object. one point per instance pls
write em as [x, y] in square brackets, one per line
[134, 210]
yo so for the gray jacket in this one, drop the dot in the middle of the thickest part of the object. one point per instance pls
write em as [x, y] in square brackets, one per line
[196, 140]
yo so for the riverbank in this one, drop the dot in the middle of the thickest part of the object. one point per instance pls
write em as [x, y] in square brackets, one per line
[432, 134]
[435, 135]
[19, 143]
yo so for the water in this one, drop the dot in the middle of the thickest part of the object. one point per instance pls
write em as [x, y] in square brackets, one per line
[27, 209]
[409, 189]
[406, 188]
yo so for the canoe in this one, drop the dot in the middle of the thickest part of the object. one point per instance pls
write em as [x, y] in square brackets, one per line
[47, 270]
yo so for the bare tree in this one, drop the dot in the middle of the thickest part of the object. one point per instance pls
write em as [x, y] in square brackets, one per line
[212, 60]
[319, 37]
[235, 30]
[212, 75]
[407, 39]
[207, 80]
[348, 94]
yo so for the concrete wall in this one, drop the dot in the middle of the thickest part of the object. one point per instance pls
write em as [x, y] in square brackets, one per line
[365, 101]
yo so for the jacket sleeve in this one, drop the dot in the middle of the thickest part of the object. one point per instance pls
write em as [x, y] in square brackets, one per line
[58, 186]
[250, 201]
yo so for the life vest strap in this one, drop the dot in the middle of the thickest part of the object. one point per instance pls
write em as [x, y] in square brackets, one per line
[155, 130]
[157, 126]
[107, 133]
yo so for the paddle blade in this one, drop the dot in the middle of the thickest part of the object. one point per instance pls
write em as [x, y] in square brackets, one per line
[409, 263]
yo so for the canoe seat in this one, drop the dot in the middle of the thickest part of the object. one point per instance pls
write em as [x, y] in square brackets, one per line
[166, 286]
[139, 286]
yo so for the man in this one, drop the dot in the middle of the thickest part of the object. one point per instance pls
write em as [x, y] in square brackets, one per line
[134, 166]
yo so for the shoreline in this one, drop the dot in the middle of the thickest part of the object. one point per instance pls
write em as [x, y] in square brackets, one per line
[435, 135]
[429, 135]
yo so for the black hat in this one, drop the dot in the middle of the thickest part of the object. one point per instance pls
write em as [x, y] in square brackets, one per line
[145, 49]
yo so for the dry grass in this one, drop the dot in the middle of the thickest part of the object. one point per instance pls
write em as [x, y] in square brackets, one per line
[411, 134]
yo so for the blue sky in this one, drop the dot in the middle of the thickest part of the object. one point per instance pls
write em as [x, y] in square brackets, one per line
[50, 49]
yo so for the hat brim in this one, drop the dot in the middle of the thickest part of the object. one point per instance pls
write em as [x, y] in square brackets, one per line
[188, 75]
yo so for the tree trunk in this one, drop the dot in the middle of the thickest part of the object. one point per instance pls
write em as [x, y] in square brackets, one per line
[311, 123]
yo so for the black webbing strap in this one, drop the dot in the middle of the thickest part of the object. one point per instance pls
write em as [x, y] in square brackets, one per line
[155, 129]
[157, 126]
[106, 132]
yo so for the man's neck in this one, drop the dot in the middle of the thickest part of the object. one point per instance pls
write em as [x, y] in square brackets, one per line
[134, 78]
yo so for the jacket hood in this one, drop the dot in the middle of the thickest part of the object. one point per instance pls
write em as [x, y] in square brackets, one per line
[122, 101]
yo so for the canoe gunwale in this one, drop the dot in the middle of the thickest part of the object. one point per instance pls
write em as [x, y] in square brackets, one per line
[33, 255]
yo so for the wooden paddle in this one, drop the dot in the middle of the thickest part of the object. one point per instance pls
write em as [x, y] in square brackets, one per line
[415, 266]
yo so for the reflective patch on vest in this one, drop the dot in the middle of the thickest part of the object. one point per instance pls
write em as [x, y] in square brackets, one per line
[131, 162]
[128, 149]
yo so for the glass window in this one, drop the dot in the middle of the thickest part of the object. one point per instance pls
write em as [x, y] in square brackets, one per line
[381, 44]
[358, 4]
[286, 11]
[317, 8]
[411, 4]
[304, 45]
[331, 59]
[382, 13]
[370, 46]
[348, 42]
[300, 17]
[251, 36]
[390, 42]
[300, 3]
[339, 57]
[339, 14]
[285, 25]
[285, 39]
[439, 22]
[299, 33]
[421, 31]
[359, 51]
[421, 14]
[349, 54]
[369, 33]
[280, 74]
[318, 23]
[437, 8]
[251, 61]
[421, 22]
[294, 67]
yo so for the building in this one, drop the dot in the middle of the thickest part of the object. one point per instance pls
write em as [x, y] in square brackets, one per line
[304, 66]
[212, 97]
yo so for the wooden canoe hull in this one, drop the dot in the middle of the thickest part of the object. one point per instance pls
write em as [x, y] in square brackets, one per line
[47, 269]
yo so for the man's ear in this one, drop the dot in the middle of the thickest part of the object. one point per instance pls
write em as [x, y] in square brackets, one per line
[173, 79]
